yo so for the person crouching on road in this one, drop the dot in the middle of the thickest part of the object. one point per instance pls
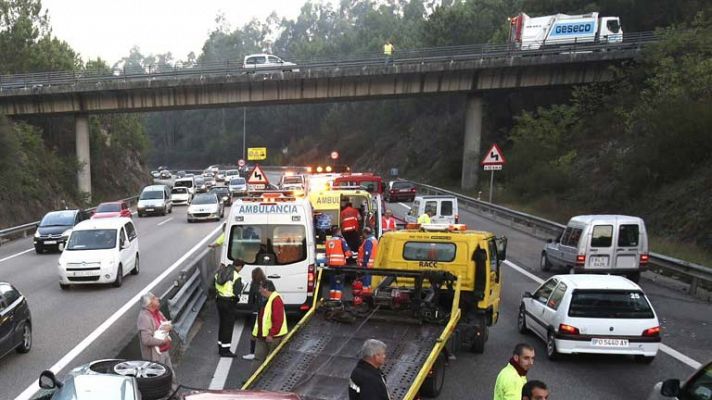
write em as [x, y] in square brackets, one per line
[337, 251]
[228, 285]
[271, 324]
[155, 345]
[511, 378]
[367, 380]
[366, 256]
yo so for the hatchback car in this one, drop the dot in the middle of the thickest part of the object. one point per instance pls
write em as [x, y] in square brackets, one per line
[15, 321]
[595, 314]
[100, 251]
[112, 209]
[55, 227]
[200, 185]
[165, 174]
[180, 196]
[238, 186]
[400, 191]
[268, 63]
[205, 206]
[223, 194]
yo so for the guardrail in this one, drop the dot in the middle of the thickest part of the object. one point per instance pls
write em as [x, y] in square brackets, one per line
[695, 275]
[184, 300]
[21, 230]
[38, 80]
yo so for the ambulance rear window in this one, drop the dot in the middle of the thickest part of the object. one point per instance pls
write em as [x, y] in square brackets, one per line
[428, 251]
[268, 244]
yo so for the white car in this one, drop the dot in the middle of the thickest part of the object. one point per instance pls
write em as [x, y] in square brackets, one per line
[237, 186]
[595, 314]
[231, 174]
[205, 206]
[268, 63]
[180, 195]
[100, 251]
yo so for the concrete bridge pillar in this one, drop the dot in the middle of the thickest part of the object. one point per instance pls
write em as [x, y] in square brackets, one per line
[81, 128]
[473, 137]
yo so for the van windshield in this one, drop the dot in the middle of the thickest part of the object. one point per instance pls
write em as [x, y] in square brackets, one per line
[609, 304]
[185, 183]
[268, 244]
[151, 195]
[95, 239]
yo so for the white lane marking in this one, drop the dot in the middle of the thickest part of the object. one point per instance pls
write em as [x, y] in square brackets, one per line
[405, 205]
[223, 368]
[16, 254]
[164, 221]
[131, 304]
[692, 363]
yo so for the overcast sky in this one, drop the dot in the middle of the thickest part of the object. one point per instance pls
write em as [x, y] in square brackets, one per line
[109, 28]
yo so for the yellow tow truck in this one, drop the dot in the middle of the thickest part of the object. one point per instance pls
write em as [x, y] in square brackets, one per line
[437, 290]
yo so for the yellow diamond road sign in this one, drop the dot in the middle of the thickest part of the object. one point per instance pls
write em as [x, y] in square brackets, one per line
[256, 153]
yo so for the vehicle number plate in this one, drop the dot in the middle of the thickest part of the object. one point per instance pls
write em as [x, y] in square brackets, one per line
[599, 262]
[149, 209]
[244, 298]
[609, 342]
[404, 190]
[50, 242]
[81, 273]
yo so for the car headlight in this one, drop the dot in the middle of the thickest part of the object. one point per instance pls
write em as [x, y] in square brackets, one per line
[37, 234]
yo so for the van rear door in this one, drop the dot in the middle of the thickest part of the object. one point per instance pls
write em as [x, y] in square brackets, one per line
[628, 242]
[601, 247]
[289, 270]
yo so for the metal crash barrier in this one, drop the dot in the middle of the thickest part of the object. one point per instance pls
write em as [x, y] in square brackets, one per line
[694, 275]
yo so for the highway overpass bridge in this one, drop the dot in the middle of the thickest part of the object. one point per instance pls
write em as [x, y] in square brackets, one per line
[472, 70]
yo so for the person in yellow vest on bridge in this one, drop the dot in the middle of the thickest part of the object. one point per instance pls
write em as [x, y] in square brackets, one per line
[270, 325]
[388, 52]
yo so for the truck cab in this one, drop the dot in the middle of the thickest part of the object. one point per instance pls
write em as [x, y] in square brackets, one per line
[474, 256]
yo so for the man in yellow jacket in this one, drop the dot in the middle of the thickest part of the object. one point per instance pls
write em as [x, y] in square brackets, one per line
[425, 218]
[511, 379]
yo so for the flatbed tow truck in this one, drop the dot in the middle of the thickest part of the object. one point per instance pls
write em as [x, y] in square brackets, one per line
[316, 358]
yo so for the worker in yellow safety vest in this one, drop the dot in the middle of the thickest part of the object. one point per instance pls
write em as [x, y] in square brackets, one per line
[337, 252]
[270, 325]
[228, 285]
[388, 52]
[425, 218]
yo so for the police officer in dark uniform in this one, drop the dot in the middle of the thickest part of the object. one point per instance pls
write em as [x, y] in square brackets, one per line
[228, 285]
[367, 380]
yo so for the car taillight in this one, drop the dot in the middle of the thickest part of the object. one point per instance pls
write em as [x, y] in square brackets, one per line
[644, 259]
[652, 332]
[304, 307]
[412, 190]
[568, 329]
[580, 260]
[310, 279]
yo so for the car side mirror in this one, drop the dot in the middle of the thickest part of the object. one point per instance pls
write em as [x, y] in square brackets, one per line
[49, 381]
[670, 388]
[527, 295]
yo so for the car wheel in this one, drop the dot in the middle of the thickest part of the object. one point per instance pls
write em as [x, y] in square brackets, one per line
[544, 263]
[63, 286]
[26, 343]
[433, 384]
[135, 269]
[119, 276]
[152, 378]
[481, 332]
[522, 320]
[551, 351]
[170, 209]
[140, 215]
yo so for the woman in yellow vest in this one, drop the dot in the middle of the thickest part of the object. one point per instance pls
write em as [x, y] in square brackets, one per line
[228, 285]
[271, 324]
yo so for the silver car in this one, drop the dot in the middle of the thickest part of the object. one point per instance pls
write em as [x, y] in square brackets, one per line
[109, 380]
[238, 186]
[205, 206]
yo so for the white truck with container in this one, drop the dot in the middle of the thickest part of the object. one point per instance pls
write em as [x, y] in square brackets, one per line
[533, 33]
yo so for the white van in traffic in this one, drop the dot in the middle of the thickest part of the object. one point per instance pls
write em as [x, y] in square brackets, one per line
[276, 233]
[599, 243]
[154, 199]
[444, 207]
[187, 182]
[100, 251]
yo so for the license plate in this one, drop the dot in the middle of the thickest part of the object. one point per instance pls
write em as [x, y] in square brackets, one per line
[403, 190]
[599, 262]
[81, 273]
[609, 342]
[244, 298]
[149, 209]
[50, 242]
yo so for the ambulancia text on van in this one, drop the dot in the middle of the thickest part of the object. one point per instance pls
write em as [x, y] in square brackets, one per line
[273, 231]
[599, 243]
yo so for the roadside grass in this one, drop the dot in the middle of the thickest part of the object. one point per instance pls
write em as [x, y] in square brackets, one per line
[547, 207]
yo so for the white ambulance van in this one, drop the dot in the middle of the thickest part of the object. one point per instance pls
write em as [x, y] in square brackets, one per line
[274, 232]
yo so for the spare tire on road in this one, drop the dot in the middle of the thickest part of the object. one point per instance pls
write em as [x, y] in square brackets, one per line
[153, 378]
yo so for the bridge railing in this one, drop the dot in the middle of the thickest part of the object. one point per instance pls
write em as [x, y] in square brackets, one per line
[39, 80]
[694, 275]
[21, 230]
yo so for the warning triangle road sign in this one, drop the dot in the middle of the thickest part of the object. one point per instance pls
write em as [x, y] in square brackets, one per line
[257, 177]
[494, 156]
